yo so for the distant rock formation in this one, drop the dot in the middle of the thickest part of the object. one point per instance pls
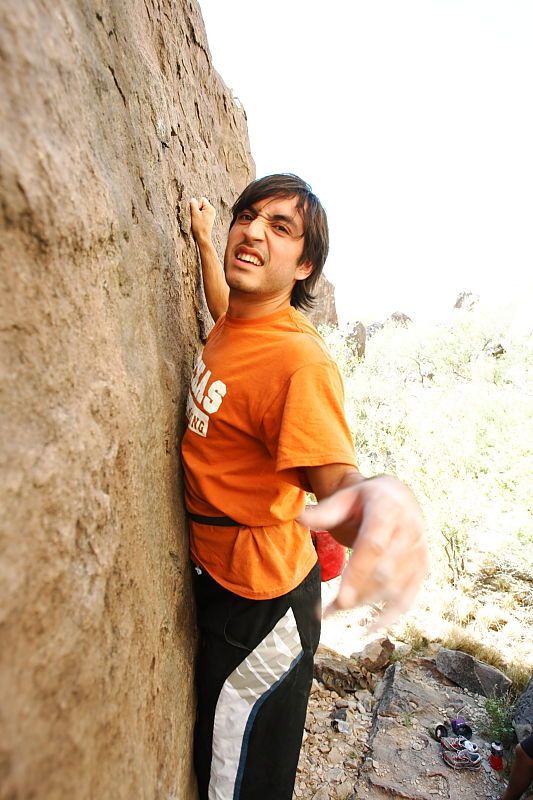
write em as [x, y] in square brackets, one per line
[399, 318]
[373, 328]
[466, 300]
[356, 339]
[325, 311]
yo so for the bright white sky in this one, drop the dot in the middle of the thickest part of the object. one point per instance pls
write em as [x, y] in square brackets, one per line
[413, 122]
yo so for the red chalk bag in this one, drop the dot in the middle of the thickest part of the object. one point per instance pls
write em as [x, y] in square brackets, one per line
[331, 554]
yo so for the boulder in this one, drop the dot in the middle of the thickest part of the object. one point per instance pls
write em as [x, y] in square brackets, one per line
[375, 655]
[336, 671]
[494, 349]
[523, 713]
[112, 118]
[469, 673]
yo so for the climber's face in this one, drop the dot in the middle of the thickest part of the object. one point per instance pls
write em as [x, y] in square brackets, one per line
[264, 251]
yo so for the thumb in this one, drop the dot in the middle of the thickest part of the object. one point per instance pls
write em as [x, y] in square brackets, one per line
[331, 512]
[194, 204]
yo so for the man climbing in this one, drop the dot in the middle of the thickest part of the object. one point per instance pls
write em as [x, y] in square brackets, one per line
[265, 424]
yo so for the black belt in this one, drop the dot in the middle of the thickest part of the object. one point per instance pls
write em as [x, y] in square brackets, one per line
[222, 522]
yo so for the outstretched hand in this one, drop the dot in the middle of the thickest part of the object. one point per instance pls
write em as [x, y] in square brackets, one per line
[381, 521]
[202, 219]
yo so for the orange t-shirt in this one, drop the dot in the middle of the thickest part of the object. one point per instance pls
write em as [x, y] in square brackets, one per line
[266, 401]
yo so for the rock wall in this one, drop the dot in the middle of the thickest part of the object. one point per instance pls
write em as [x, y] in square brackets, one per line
[112, 118]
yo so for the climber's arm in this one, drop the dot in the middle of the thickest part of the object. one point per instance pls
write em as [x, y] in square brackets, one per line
[215, 287]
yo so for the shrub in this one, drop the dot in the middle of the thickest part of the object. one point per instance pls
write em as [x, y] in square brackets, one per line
[499, 711]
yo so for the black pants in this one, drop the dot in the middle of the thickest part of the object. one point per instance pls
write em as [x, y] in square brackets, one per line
[254, 673]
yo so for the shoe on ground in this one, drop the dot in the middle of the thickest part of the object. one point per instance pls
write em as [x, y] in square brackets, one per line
[462, 759]
[457, 743]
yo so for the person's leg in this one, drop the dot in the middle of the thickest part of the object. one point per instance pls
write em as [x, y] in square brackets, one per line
[213, 606]
[276, 730]
[522, 770]
[254, 673]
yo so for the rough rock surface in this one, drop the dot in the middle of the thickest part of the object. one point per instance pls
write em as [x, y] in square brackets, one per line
[112, 118]
[325, 310]
[469, 673]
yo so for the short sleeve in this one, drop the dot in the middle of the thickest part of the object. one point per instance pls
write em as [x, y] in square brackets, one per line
[305, 426]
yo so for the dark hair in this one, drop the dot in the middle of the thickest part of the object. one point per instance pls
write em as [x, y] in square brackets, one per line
[316, 234]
